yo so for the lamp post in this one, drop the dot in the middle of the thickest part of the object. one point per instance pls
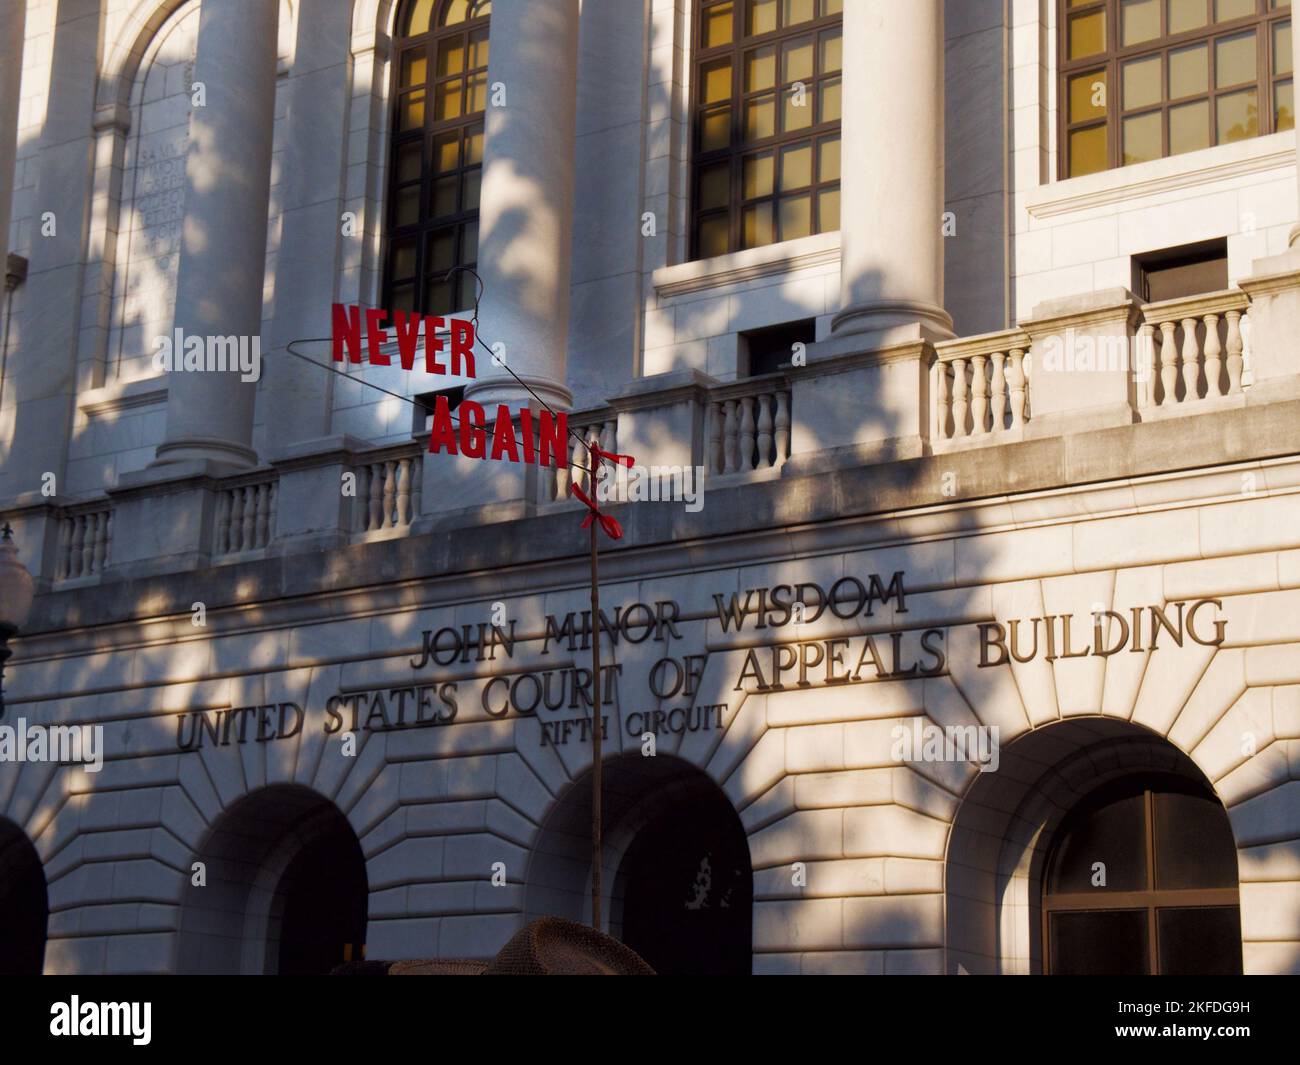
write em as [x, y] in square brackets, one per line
[16, 590]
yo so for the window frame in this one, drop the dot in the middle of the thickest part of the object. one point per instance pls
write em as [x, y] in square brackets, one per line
[1112, 60]
[738, 148]
[1150, 899]
[428, 223]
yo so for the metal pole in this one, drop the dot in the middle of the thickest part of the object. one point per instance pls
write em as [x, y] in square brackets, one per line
[595, 727]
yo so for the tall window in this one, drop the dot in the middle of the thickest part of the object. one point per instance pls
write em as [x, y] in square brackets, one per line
[766, 111]
[1143, 79]
[440, 91]
[1142, 878]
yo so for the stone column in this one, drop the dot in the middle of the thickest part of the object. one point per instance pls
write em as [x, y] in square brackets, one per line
[1294, 240]
[525, 226]
[223, 245]
[12, 30]
[891, 277]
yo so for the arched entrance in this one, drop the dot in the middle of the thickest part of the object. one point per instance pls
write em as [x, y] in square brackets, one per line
[1097, 846]
[676, 873]
[285, 889]
[24, 904]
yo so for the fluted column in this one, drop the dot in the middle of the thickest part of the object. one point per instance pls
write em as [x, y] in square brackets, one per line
[527, 203]
[12, 29]
[892, 169]
[223, 244]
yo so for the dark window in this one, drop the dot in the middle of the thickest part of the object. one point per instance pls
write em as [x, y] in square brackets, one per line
[1143, 79]
[765, 351]
[424, 404]
[440, 91]
[766, 122]
[1142, 878]
[1176, 272]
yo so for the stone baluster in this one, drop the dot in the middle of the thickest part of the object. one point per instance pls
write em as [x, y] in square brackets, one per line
[1234, 351]
[250, 517]
[404, 492]
[236, 520]
[746, 434]
[782, 427]
[715, 438]
[223, 523]
[1168, 363]
[1213, 357]
[1017, 383]
[101, 542]
[945, 400]
[1191, 360]
[263, 515]
[88, 548]
[980, 390]
[376, 500]
[1146, 361]
[960, 399]
[765, 458]
[390, 495]
[730, 442]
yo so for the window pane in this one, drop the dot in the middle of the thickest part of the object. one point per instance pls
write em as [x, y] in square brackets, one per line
[417, 21]
[760, 17]
[402, 262]
[1141, 82]
[760, 118]
[415, 68]
[829, 101]
[444, 196]
[442, 250]
[760, 69]
[1283, 106]
[451, 56]
[408, 162]
[797, 60]
[1227, 10]
[712, 236]
[477, 94]
[1234, 59]
[1088, 96]
[829, 7]
[1238, 116]
[403, 298]
[832, 46]
[758, 178]
[756, 226]
[469, 199]
[828, 163]
[1189, 127]
[439, 297]
[715, 184]
[796, 167]
[469, 248]
[1087, 151]
[718, 25]
[796, 216]
[478, 49]
[473, 145]
[1104, 943]
[446, 152]
[715, 130]
[1189, 71]
[798, 109]
[1282, 56]
[406, 209]
[1142, 138]
[796, 11]
[1194, 844]
[1139, 20]
[447, 100]
[1087, 34]
[1204, 941]
[715, 81]
[1275, 4]
[410, 112]
[828, 207]
[1114, 836]
[1187, 15]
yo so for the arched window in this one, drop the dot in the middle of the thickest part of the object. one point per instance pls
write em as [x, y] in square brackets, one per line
[1143, 79]
[440, 91]
[766, 122]
[1142, 878]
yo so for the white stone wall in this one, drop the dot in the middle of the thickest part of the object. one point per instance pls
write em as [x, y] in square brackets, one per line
[810, 771]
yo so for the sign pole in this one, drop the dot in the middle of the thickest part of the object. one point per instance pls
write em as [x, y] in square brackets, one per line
[595, 728]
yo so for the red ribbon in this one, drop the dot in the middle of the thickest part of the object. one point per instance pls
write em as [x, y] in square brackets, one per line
[608, 524]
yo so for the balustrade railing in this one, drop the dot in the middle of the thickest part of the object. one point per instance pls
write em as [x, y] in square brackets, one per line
[388, 489]
[598, 427]
[1194, 348]
[980, 386]
[85, 536]
[749, 425]
[245, 515]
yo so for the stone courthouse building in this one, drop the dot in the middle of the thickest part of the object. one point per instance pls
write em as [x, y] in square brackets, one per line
[965, 335]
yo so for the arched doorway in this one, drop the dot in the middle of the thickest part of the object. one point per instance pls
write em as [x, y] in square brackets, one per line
[284, 889]
[676, 874]
[1097, 846]
[24, 904]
